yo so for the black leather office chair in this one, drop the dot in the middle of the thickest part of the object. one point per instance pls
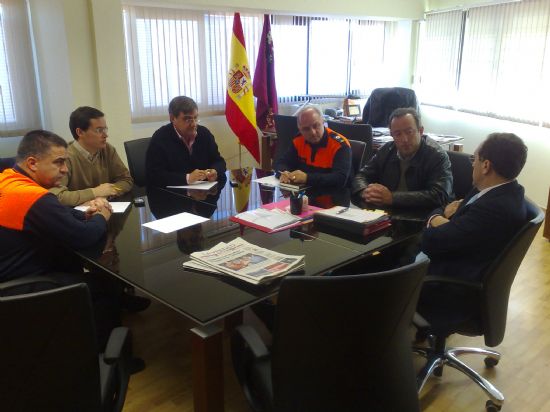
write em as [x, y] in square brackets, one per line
[136, 151]
[286, 128]
[355, 131]
[491, 297]
[49, 356]
[358, 155]
[461, 168]
[340, 343]
[383, 101]
[6, 162]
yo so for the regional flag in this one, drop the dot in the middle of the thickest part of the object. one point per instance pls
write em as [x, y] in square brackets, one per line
[239, 102]
[264, 81]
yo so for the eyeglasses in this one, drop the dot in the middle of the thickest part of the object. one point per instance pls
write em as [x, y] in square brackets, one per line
[101, 130]
[402, 133]
[191, 119]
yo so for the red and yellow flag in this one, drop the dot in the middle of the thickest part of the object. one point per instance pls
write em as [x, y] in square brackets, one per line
[239, 102]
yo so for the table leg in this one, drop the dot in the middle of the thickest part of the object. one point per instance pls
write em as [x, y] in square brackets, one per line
[207, 364]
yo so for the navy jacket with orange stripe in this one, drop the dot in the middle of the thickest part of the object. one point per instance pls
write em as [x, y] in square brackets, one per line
[327, 163]
[35, 228]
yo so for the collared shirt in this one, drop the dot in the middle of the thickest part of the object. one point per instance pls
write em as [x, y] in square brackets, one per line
[87, 155]
[188, 144]
[484, 191]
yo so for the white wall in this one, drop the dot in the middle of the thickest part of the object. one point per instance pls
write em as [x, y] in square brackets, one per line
[536, 173]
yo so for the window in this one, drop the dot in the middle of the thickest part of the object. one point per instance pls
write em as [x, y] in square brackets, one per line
[490, 60]
[173, 52]
[18, 97]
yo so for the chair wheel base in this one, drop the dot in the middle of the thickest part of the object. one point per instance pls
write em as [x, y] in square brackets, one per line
[490, 406]
[490, 362]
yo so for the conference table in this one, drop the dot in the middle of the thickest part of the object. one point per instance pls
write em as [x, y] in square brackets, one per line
[152, 261]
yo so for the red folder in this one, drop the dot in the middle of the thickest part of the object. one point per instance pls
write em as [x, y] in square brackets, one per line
[283, 205]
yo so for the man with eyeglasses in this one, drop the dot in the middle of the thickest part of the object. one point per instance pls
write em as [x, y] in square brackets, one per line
[95, 171]
[318, 157]
[183, 152]
[463, 238]
[411, 171]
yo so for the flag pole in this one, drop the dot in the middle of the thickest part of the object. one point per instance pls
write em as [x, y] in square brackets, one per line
[240, 156]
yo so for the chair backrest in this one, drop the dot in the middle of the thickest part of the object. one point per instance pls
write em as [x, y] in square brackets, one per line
[340, 341]
[286, 128]
[358, 155]
[6, 163]
[383, 101]
[461, 169]
[355, 131]
[48, 352]
[498, 278]
[136, 151]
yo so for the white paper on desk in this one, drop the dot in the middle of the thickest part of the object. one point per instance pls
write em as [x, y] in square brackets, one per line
[118, 207]
[202, 185]
[176, 222]
[268, 180]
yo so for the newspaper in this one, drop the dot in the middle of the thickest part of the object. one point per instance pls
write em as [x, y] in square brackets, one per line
[246, 261]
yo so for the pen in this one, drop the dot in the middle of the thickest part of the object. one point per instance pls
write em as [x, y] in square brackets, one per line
[118, 189]
[342, 210]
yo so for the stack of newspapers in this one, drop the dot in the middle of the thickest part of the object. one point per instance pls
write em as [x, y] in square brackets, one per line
[245, 261]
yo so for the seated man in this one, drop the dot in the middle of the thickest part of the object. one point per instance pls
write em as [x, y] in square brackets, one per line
[466, 236]
[94, 167]
[182, 152]
[318, 157]
[34, 226]
[411, 171]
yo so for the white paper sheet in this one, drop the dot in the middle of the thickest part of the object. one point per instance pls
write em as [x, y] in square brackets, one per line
[202, 185]
[118, 207]
[176, 222]
[268, 180]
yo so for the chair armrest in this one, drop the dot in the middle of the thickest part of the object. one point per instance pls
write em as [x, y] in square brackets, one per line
[253, 340]
[27, 280]
[115, 344]
[453, 281]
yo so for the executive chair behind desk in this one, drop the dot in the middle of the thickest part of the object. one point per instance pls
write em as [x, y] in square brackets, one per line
[286, 128]
[358, 155]
[6, 163]
[491, 297]
[355, 131]
[461, 169]
[49, 355]
[339, 344]
[136, 151]
[385, 100]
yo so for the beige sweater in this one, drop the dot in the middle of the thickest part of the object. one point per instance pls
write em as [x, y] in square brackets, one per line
[83, 175]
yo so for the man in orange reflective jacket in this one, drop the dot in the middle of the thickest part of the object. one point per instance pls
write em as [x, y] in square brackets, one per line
[318, 157]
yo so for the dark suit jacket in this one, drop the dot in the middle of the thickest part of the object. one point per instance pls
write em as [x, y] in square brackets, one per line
[168, 160]
[476, 233]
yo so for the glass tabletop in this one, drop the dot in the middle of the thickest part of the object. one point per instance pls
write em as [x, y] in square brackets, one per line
[152, 261]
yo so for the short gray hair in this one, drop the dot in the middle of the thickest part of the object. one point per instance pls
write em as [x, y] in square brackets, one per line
[305, 109]
[38, 143]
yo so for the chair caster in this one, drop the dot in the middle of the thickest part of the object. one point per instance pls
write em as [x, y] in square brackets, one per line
[490, 406]
[438, 371]
[490, 362]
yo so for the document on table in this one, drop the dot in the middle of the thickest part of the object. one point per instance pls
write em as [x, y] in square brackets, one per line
[118, 207]
[202, 185]
[268, 180]
[176, 222]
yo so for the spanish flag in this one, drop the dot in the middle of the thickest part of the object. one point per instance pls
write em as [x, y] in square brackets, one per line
[239, 102]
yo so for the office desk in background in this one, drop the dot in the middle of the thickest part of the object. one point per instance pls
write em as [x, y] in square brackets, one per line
[152, 262]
